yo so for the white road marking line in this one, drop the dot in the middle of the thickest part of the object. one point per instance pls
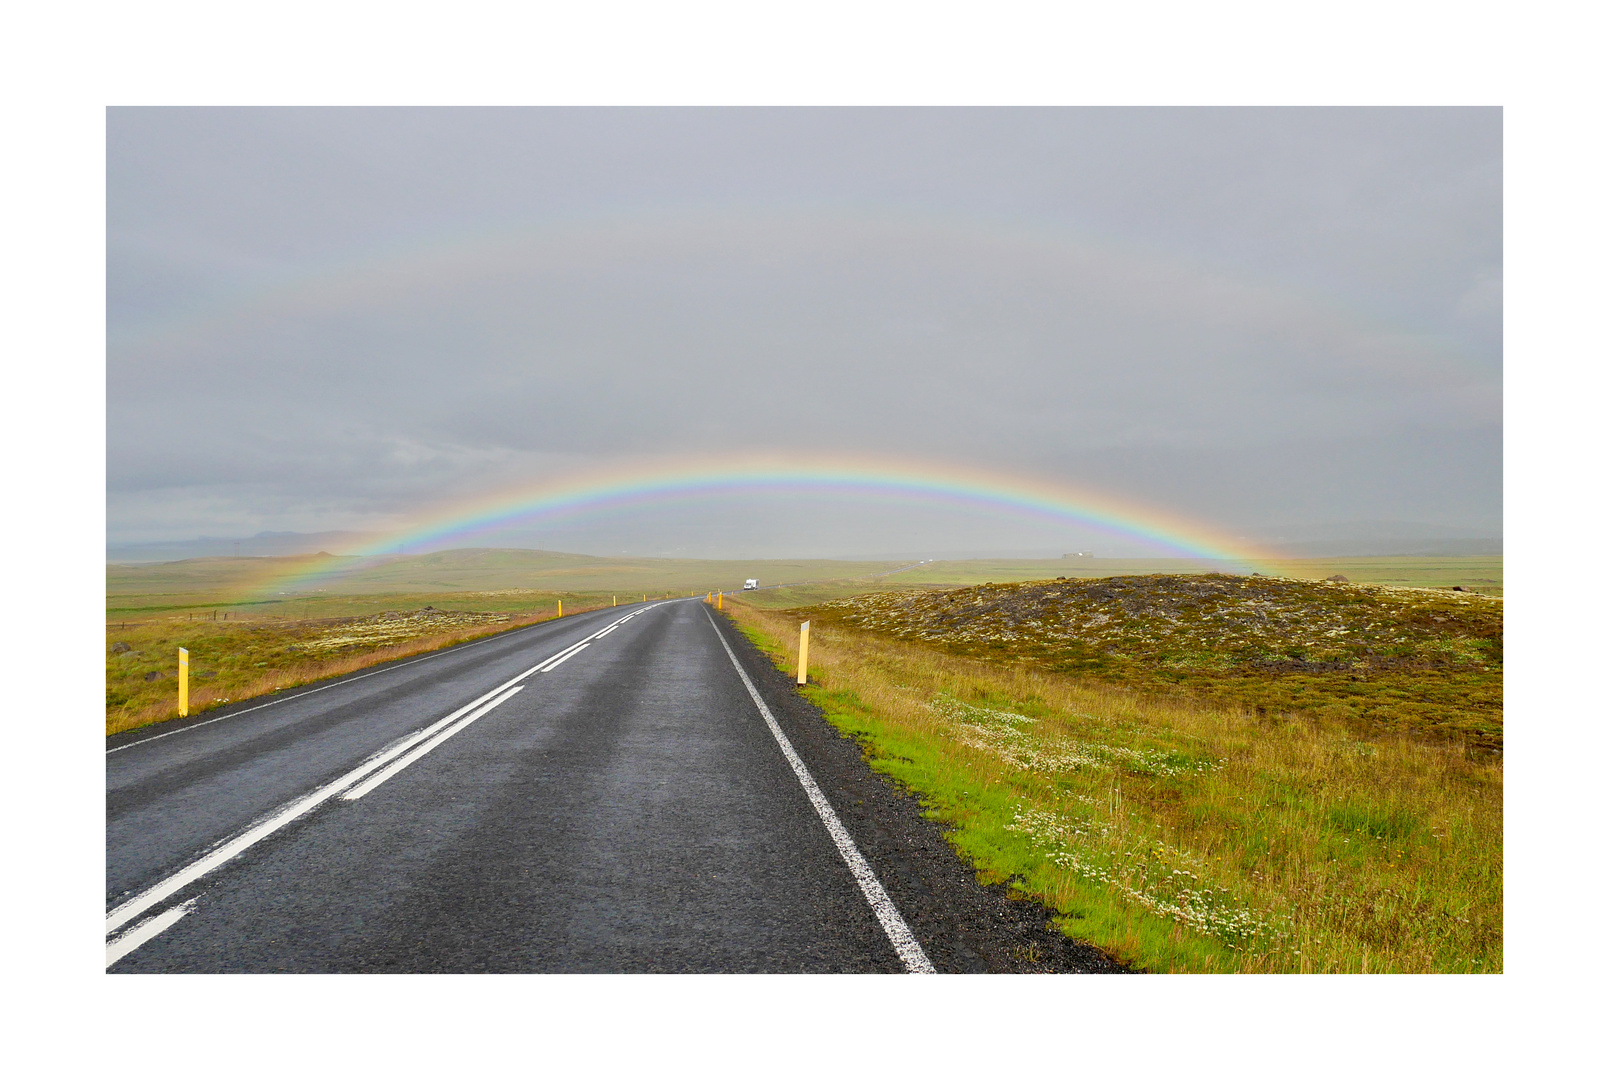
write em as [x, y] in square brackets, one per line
[899, 934]
[284, 816]
[554, 661]
[559, 658]
[551, 664]
[397, 766]
[273, 822]
[126, 943]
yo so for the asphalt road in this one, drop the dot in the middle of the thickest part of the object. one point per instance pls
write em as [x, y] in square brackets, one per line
[656, 799]
[627, 810]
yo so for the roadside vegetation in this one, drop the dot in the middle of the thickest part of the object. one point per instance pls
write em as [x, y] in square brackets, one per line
[1215, 821]
[1473, 573]
[248, 637]
[1369, 656]
[248, 653]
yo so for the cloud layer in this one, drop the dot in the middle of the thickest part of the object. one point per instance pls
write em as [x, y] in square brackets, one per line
[324, 319]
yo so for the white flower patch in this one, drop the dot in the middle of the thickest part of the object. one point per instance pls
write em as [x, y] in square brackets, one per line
[392, 627]
[1002, 733]
[1157, 877]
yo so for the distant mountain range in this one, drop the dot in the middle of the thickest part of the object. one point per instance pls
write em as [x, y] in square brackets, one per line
[264, 543]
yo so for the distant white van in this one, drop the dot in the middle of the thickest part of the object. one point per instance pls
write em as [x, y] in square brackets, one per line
[752, 583]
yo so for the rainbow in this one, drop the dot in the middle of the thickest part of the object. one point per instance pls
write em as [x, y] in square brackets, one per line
[643, 485]
[452, 260]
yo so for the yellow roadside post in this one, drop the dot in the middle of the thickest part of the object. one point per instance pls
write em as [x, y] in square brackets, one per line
[184, 682]
[718, 597]
[614, 601]
[645, 598]
[561, 609]
[804, 651]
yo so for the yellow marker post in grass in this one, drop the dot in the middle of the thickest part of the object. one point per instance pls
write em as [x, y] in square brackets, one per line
[614, 601]
[561, 609]
[804, 651]
[718, 597]
[184, 682]
[645, 598]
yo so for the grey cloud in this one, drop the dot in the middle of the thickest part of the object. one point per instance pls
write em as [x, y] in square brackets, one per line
[359, 312]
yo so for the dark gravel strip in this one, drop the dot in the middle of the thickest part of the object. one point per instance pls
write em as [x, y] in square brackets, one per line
[963, 925]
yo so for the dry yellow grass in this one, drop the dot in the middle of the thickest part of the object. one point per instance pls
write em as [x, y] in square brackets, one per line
[245, 658]
[1175, 834]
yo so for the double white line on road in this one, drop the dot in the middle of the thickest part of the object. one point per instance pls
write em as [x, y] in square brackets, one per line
[365, 777]
[397, 766]
[899, 934]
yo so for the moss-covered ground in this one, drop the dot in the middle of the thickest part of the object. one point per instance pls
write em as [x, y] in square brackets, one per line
[1370, 656]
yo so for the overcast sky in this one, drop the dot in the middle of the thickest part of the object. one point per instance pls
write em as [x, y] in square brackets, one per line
[1267, 319]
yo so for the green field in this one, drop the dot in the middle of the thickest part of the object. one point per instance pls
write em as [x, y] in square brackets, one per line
[135, 590]
[1184, 829]
[1370, 656]
[1475, 573]
[1189, 792]
[239, 583]
[250, 635]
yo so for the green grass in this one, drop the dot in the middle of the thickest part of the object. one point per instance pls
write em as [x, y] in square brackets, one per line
[1175, 833]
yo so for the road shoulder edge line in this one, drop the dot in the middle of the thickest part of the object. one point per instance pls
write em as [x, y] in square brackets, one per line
[894, 925]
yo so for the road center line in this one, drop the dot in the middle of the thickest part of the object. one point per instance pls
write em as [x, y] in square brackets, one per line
[280, 818]
[567, 654]
[397, 766]
[126, 943]
[276, 820]
[551, 664]
[899, 934]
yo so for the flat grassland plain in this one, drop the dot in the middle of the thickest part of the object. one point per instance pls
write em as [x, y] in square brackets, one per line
[248, 637]
[1200, 772]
